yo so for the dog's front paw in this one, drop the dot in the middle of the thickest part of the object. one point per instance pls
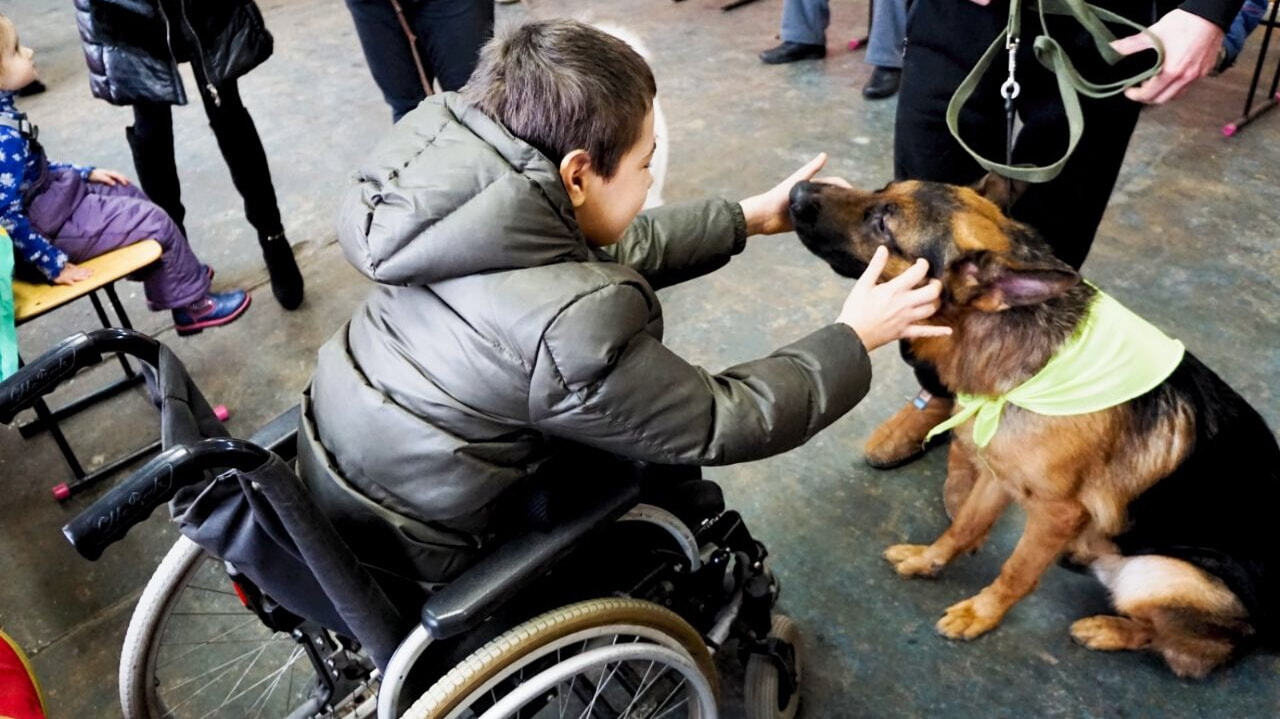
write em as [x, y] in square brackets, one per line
[911, 560]
[969, 619]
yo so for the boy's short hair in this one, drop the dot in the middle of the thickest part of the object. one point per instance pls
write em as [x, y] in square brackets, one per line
[562, 85]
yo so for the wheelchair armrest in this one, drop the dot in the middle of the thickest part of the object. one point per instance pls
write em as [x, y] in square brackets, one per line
[470, 599]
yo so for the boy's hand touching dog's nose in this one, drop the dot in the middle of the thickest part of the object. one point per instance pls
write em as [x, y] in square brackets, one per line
[768, 213]
[884, 312]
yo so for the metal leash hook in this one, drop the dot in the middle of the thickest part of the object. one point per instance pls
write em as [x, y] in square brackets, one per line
[1010, 91]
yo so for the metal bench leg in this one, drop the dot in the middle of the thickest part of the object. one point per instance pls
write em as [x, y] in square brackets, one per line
[106, 321]
[47, 420]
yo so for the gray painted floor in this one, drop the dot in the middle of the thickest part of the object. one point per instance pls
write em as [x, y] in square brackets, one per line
[1189, 241]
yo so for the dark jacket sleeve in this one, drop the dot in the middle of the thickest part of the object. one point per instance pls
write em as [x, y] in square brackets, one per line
[602, 380]
[674, 243]
[1218, 12]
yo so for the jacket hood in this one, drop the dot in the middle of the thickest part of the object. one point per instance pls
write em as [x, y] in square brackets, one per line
[449, 192]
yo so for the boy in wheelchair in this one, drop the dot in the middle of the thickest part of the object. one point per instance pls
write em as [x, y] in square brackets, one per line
[512, 350]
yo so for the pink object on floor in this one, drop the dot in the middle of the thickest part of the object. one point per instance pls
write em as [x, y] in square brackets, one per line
[61, 491]
[221, 412]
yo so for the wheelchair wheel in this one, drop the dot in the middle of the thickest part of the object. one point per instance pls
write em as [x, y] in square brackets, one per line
[602, 657]
[193, 650]
[765, 693]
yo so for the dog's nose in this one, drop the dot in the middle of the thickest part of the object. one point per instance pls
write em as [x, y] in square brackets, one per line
[804, 202]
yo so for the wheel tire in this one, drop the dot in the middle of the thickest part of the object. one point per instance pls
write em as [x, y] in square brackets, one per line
[762, 685]
[148, 616]
[525, 639]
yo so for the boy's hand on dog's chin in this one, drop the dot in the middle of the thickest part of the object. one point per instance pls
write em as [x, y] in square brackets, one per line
[769, 212]
[881, 312]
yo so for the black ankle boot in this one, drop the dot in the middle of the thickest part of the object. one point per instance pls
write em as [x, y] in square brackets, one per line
[286, 280]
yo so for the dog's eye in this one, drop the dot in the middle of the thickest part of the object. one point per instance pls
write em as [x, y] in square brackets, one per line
[876, 218]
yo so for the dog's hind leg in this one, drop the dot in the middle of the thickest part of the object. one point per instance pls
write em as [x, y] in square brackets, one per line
[1109, 633]
[1172, 607]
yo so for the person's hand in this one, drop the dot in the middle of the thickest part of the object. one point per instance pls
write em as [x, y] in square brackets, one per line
[769, 213]
[72, 274]
[109, 178]
[882, 313]
[1190, 50]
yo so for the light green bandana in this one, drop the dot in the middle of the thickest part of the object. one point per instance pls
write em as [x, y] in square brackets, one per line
[8, 334]
[1113, 357]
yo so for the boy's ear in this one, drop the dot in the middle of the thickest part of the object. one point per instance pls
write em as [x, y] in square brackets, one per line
[573, 174]
[1000, 190]
[992, 282]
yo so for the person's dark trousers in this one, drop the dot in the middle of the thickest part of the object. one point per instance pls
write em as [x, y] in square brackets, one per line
[1066, 211]
[450, 34]
[151, 139]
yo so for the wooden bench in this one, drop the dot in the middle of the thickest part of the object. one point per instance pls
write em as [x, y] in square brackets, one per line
[31, 301]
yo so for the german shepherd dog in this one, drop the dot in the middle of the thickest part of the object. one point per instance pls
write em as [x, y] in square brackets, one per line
[1170, 499]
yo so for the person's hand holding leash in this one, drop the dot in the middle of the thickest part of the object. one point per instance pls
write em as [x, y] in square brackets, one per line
[884, 312]
[1190, 49]
[768, 213]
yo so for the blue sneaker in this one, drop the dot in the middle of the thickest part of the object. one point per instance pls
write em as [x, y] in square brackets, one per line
[214, 309]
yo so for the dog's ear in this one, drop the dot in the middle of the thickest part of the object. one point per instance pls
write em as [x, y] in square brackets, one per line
[1000, 190]
[993, 282]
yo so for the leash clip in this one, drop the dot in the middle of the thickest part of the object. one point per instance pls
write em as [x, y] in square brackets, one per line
[1011, 89]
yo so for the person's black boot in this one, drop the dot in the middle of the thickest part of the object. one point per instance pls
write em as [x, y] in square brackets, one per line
[884, 82]
[286, 280]
[792, 51]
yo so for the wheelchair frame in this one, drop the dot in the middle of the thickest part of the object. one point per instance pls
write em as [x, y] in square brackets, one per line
[196, 443]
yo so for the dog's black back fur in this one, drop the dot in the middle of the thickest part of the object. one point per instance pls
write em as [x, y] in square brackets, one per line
[1218, 509]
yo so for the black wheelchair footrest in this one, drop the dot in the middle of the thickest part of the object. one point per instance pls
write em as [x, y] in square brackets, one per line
[474, 596]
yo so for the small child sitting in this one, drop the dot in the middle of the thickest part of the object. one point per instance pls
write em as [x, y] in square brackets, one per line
[515, 333]
[58, 214]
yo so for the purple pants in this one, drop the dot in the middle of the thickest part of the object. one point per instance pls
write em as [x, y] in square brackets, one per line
[86, 219]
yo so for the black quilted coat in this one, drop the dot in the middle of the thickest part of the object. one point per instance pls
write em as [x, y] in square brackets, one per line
[133, 47]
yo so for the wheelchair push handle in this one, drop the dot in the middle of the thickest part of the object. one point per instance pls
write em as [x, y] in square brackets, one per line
[42, 375]
[110, 518]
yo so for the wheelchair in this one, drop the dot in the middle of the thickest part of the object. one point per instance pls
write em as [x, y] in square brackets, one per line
[261, 609]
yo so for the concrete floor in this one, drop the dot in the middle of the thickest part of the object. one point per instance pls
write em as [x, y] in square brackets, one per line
[1189, 241]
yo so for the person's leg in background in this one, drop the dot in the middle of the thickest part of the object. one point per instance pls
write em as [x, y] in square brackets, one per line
[804, 32]
[884, 48]
[388, 54]
[1247, 20]
[247, 160]
[935, 62]
[450, 33]
[151, 140]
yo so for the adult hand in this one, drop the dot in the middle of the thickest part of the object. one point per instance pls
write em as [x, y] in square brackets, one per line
[882, 313]
[1190, 50]
[769, 213]
[72, 274]
[110, 178]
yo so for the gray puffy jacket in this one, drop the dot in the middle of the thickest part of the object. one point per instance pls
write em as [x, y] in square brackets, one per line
[496, 329]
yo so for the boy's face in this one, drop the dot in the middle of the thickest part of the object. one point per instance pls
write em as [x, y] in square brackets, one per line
[17, 63]
[604, 208]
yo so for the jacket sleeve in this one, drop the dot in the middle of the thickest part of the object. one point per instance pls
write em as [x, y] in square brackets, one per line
[28, 244]
[82, 170]
[602, 380]
[1218, 12]
[674, 243]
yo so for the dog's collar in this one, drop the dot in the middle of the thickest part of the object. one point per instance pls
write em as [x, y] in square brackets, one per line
[1113, 357]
